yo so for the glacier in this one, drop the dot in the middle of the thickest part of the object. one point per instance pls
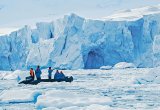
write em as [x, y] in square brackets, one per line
[74, 42]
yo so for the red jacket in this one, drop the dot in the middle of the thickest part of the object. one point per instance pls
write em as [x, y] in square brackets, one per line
[32, 73]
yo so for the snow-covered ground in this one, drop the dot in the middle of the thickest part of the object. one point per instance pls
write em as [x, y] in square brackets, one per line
[134, 14]
[114, 89]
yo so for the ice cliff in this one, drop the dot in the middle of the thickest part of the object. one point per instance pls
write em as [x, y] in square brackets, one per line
[74, 42]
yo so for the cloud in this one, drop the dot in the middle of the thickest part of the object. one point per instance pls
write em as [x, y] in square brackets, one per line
[1, 7]
[109, 4]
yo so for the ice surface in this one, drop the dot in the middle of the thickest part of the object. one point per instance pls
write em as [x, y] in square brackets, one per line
[90, 107]
[4, 31]
[134, 14]
[106, 67]
[153, 77]
[67, 99]
[18, 96]
[101, 89]
[16, 75]
[123, 65]
[39, 54]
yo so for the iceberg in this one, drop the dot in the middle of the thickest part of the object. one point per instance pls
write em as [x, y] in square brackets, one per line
[124, 65]
[106, 67]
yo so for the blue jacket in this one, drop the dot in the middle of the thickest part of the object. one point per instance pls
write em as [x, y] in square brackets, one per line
[50, 72]
[59, 76]
[38, 73]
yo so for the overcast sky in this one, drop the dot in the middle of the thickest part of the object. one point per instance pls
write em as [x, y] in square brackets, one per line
[13, 12]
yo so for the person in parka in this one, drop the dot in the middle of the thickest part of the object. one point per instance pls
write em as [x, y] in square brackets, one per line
[59, 76]
[50, 70]
[32, 73]
[38, 73]
[31, 77]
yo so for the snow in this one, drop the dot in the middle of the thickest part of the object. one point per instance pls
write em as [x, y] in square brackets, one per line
[4, 31]
[17, 74]
[106, 67]
[18, 96]
[123, 65]
[153, 77]
[100, 89]
[67, 99]
[134, 14]
[91, 107]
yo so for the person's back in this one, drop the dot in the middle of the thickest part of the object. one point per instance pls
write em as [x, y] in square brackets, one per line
[62, 76]
[59, 76]
[50, 73]
[38, 73]
[56, 74]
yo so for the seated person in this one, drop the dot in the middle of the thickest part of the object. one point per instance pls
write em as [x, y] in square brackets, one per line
[32, 73]
[31, 77]
[62, 75]
[59, 76]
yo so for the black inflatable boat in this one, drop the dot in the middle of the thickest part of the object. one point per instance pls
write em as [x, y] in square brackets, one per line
[34, 82]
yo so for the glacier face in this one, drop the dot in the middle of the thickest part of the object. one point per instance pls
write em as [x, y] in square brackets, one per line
[74, 42]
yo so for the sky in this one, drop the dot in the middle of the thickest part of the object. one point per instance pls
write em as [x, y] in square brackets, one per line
[14, 13]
